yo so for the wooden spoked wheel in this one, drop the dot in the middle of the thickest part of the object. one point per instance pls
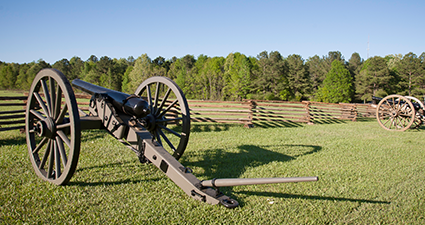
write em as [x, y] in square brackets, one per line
[395, 112]
[52, 126]
[169, 118]
[418, 115]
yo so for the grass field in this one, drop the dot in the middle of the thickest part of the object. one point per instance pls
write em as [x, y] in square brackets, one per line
[366, 176]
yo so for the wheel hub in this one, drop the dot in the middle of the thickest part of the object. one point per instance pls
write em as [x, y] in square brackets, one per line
[394, 113]
[46, 128]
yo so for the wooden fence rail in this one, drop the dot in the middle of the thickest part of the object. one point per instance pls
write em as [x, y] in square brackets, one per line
[12, 119]
[247, 112]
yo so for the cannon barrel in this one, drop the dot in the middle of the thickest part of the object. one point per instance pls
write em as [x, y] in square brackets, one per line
[228, 182]
[129, 104]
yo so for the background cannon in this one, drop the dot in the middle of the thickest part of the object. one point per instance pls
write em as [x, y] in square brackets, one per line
[399, 113]
[154, 123]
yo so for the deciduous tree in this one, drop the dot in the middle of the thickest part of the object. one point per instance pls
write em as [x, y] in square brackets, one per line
[337, 86]
[412, 74]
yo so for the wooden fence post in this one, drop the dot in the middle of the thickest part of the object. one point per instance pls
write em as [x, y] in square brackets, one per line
[252, 105]
[307, 112]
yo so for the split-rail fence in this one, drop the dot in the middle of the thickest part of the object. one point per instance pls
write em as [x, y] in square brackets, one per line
[246, 112]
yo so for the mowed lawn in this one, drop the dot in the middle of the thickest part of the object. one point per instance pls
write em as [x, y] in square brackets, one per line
[367, 175]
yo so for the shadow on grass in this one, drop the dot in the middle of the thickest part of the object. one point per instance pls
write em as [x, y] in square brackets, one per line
[106, 183]
[218, 163]
[121, 166]
[277, 124]
[211, 127]
[329, 121]
[365, 119]
[282, 195]
[89, 135]
[15, 140]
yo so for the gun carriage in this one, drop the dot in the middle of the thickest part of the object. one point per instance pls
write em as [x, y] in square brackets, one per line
[399, 113]
[154, 123]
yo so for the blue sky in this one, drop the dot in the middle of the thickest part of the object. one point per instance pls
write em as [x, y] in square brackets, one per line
[53, 30]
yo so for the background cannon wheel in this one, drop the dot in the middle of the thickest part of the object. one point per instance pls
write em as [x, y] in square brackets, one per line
[395, 112]
[52, 127]
[170, 125]
[418, 115]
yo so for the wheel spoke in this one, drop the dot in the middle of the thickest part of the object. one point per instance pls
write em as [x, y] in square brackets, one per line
[41, 103]
[62, 151]
[148, 92]
[47, 96]
[46, 155]
[398, 123]
[163, 102]
[169, 120]
[37, 114]
[167, 109]
[385, 124]
[58, 103]
[62, 114]
[40, 145]
[52, 91]
[167, 140]
[156, 97]
[171, 131]
[158, 138]
[52, 159]
[64, 138]
[57, 161]
[62, 126]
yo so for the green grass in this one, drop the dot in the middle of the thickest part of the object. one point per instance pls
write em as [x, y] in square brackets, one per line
[366, 176]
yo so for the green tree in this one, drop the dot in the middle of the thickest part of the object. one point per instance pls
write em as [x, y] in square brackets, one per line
[93, 58]
[355, 64]
[327, 61]
[181, 71]
[374, 79]
[412, 74]
[337, 86]
[198, 78]
[63, 66]
[270, 76]
[8, 76]
[393, 61]
[77, 66]
[297, 75]
[22, 79]
[34, 69]
[142, 70]
[213, 73]
[316, 73]
[237, 75]
[126, 81]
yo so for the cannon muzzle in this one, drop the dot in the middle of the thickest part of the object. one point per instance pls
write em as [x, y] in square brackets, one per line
[227, 182]
[129, 104]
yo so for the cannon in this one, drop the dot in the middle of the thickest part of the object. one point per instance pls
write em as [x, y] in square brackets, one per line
[399, 113]
[154, 123]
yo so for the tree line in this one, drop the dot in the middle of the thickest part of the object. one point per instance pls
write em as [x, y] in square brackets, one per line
[268, 76]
